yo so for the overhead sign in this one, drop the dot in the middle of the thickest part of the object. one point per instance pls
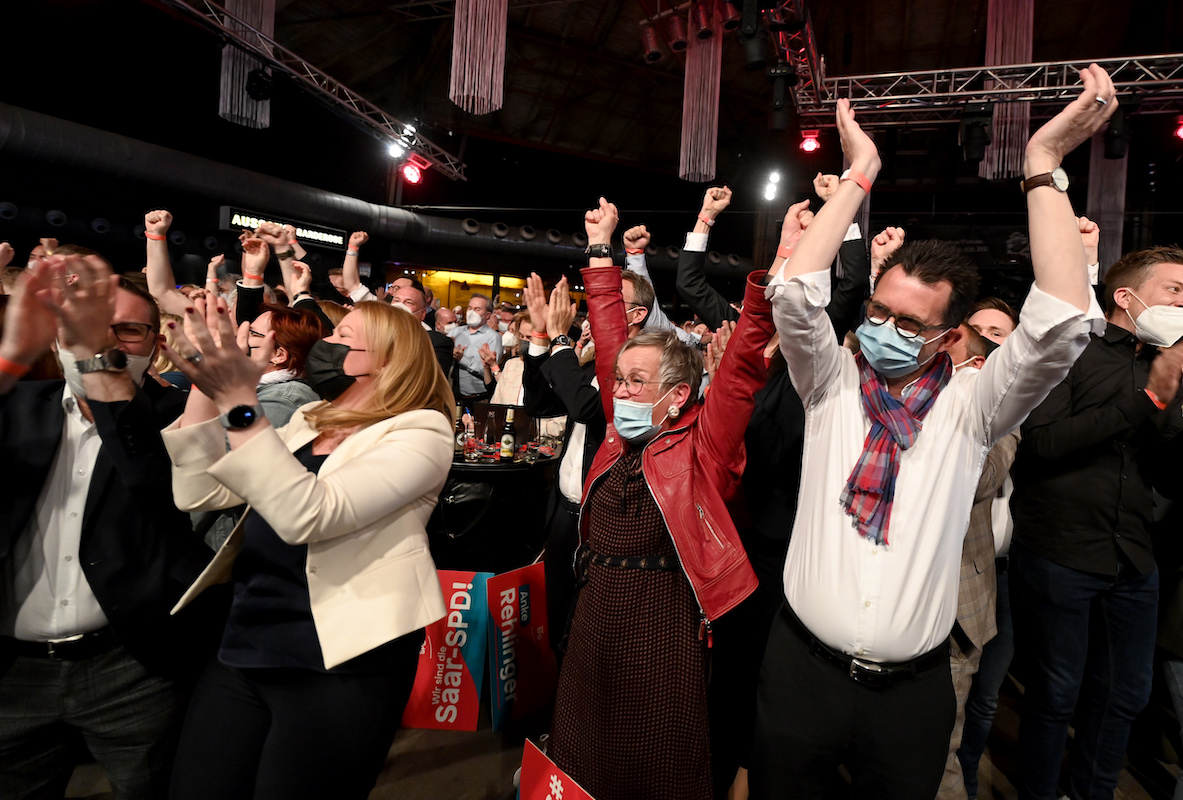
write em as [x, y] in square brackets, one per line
[235, 219]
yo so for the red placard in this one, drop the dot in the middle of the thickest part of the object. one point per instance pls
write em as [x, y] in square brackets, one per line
[542, 780]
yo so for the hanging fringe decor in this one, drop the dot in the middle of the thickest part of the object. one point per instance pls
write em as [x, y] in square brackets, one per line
[478, 55]
[235, 102]
[1106, 200]
[700, 105]
[1009, 31]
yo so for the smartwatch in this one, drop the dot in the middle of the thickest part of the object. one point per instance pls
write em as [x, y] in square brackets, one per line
[241, 417]
[113, 360]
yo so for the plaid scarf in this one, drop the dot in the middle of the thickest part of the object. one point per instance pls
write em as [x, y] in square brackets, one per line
[870, 489]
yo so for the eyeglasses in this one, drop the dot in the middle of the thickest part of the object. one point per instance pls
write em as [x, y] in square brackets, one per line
[634, 386]
[131, 332]
[908, 327]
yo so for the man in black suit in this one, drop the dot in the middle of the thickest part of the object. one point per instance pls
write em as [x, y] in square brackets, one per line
[412, 298]
[93, 553]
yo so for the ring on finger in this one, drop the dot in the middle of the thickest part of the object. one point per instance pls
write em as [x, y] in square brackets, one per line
[1102, 101]
[195, 359]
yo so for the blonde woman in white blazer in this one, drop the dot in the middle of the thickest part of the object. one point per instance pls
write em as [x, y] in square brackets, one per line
[333, 580]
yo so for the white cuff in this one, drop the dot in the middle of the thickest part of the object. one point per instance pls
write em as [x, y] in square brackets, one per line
[853, 233]
[696, 242]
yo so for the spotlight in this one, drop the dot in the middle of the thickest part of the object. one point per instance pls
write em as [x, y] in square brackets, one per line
[732, 18]
[412, 174]
[781, 76]
[770, 191]
[408, 129]
[678, 40]
[396, 150]
[258, 84]
[652, 45]
[809, 142]
[700, 14]
[774, 178]
[1179, 128]
[1117, 135]
[755, 48]
[976, 130]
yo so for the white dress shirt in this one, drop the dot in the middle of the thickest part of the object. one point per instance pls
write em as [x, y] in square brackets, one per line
[45, 593]
[571, 464]
[895, 602]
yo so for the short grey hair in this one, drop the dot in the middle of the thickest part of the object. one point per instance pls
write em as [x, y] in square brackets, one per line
[679, 362]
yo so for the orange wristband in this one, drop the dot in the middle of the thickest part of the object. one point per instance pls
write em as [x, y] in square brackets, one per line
[1154, 399]
[251, 277]
[862, 180]
[710, 222]
[784, 252]
[156, 237]
[634, 251]
[542, 336]
[12, 368]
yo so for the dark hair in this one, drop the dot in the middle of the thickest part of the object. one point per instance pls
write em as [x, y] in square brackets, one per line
[643, 294]
[1134, 269]
[975, 343]
[932, 262]
[132, 286]
[415, 283]
[76, 250]
[297, 329]
[488, 302]
[994, 304]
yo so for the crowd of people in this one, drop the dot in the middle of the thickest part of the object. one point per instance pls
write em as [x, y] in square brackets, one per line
[808, 529]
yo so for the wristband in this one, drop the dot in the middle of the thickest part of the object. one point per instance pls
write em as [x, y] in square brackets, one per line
[12, 368]
[634, 251]
[710, 222]
[862, 180]
[251, 277]
[156, 237]
[784, 252]
[293, 241]
[353, 253]
[1154, 399]
[543, 336]
[211, 280]
[289, 253]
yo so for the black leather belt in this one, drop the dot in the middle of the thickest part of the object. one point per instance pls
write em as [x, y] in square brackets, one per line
[869, 673]
[568, 506]
[86, 646]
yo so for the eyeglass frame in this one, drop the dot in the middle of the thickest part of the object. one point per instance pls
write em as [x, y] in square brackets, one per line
[147, 333]
[896, 319]
[618, 382]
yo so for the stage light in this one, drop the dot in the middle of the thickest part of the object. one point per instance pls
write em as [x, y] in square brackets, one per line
[1117, 136]
[1179, 130]
[412, 174]
[774, 178]
[732, 18]
[809, 142]
[770, 191]
[976, 130]
[396, 150]
[677, 40]
[701, 16]
[652, 45]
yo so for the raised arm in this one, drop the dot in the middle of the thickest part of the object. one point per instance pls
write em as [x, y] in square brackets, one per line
[636, 239]
[162, 284]
[29, 322]
[350, 272]
[1057, 252]
[710, 306]
[605, 301]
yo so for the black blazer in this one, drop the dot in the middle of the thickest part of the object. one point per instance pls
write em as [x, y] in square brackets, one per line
[556, 385]
[139, 553]
[443, 347]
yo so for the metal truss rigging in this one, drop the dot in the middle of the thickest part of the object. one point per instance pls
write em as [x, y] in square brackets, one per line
[325, 88]
[937, 96]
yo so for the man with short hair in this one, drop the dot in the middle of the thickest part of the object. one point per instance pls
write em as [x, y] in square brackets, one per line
[467, 340]
[1082, 564]
[445, 320]
[413, 300]
[93, 553]
[856, 670]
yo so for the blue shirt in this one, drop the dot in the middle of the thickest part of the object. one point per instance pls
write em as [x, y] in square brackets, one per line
[471, 370]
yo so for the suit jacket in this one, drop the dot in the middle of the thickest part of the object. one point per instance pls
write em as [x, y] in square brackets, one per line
[370, 575]
[443, 346]
[977, 591]
[138, 551]
[557, 385]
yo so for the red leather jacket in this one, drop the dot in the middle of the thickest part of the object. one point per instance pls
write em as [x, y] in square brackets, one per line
[693, 469]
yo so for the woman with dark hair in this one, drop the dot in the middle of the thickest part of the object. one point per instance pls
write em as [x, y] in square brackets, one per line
[281, 388]
[661, 559]
[333, 580]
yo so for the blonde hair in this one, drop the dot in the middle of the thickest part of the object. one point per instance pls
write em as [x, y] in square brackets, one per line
[163, 363]
[334, 311]
[407, 376]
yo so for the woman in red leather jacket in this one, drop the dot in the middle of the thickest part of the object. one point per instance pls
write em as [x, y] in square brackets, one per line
[661, 558]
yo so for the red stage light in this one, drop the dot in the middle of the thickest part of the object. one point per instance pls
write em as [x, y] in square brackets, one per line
[809, 144]
[412, 174]
[1179, 131]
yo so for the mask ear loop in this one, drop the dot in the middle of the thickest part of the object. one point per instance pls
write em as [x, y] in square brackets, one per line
[930, 341]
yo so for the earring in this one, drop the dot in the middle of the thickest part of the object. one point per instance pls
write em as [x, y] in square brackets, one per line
[673, 411]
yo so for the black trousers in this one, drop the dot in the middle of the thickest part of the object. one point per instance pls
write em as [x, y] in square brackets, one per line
[558, 557]
[290, 733]
[811, 717]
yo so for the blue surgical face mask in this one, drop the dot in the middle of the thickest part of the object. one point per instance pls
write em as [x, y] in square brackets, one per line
[889, 353]
[634, 421]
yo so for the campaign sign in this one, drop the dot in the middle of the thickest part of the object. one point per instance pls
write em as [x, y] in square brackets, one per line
[447, 691]
[542, 780]
[522, 670]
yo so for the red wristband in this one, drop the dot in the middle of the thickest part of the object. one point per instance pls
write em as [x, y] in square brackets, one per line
[251, 277]
[634, 251]
[12, 368]
[293, 241]
[1154, 399]
[784, 252]
[862, 180]
[710, 222]
[156, 237]
[542, 336]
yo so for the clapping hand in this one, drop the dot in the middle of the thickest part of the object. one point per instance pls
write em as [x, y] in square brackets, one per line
[488, 357]
[1079, 120]
[30, 324]
[716, 348]
[209, 354]
[560, 311]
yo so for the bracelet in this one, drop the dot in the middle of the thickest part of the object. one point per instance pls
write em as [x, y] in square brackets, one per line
[1154, 399]
[293, 241]
[211, 280]
[703, 217]
[862, 180]
[634, 251]
[784, 252]
[12, 368]
[156, 237]
[353, 253]
[251, 277]
[289, 253]
[543, 336]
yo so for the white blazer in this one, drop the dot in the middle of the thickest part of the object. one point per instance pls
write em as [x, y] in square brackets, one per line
[370, 574]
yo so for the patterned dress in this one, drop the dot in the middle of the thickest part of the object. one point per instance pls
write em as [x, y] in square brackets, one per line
[631, 713]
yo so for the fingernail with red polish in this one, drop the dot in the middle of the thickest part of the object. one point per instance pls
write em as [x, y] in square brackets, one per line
[172, 325]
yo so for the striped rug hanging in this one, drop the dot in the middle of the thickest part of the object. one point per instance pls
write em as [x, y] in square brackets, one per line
[478, 55]
[1009, 31]
[700, 105]
[234, 104]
